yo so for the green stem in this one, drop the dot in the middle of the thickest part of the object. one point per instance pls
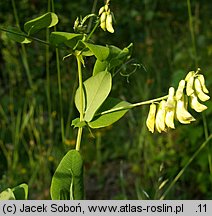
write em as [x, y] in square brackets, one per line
[60, 94]
[5, 153]
[79, 66]
[205, 126]
[192, 33]
[24, 54]
[71, 104]
[132, 105]
[92, 12]
[48, 93]
[196, 64]
[79, 138]
[93, 30]
[184, 168]
[28, 36]
[59, 86]
[26, 64]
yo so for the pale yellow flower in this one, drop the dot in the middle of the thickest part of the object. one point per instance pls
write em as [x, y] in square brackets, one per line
[101, 10]
[189, 75]
[180, 89]
[109, 24]
[170, 108]
[169, 120]
[202, 81]
[196, 105]
[150, 122]
[103, 20]
[170, 104]
[160, 117]
[189, 86]
[200, 94]
[182, 115]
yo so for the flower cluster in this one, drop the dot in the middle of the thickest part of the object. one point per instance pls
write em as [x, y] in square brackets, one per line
[106, 18]
[189, 91]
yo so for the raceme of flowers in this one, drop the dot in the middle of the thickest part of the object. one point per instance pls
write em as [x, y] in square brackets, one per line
[190, 91]
[106, 18]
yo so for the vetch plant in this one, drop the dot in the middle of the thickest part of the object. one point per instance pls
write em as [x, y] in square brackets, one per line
[96, 108]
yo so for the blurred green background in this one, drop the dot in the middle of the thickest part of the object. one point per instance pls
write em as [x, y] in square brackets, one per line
[123, 161]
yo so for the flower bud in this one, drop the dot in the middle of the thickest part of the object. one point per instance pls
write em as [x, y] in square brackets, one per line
[180, 89]
[182, 114]
[101, 10]
[170, 104]
[201, 95]
[150, 122]
[201, 78]
[109, 25]
[76, 23]
[198, 107]
[160, 117]
[189, 75]
[106, 7]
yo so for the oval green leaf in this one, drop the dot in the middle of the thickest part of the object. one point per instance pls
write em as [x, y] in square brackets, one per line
[107, 119]
[17, 35]
[45, 21]
[64, 38]
[96, 90]
[101, 52]
[67, 181]
[100, 66]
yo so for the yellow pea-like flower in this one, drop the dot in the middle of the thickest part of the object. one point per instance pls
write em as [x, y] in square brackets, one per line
[160, 117]
[106, 7]
[200, 94]
[170, 104]
[182, 115]
[196, 105]
[150, 122]
[103, 21]
[101, 10]
[170, 109]
[109, 24]
[201, 78]
[189, 86]
[180, 89]
[169, 119]
[189, 75]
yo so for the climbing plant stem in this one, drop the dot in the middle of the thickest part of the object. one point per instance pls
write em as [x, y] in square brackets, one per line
[79, 67]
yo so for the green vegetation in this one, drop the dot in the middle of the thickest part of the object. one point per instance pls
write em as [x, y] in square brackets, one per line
[62, 89]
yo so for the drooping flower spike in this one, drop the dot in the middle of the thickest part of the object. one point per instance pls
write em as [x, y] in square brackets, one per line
[106, 18]
[189, 91]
